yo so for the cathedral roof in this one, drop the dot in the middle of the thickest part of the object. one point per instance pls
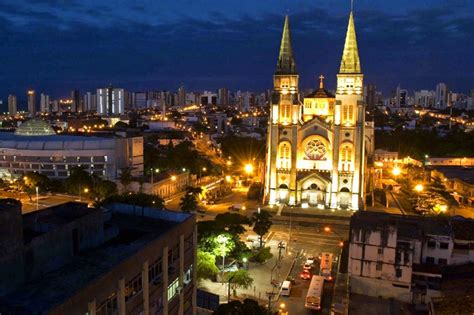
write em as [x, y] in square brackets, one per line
[350, 62]
[286, 62]
[320, 93]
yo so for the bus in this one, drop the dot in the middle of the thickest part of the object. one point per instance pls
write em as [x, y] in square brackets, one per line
[326, 266]
[315, 291]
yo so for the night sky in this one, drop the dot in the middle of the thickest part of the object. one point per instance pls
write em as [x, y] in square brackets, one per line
[55, 46]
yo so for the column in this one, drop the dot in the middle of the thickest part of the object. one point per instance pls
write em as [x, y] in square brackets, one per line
[165, 280]
[91, 307]
[294, 152]
[146, 289]
[121, 297]
[181, 273]
[195, 246]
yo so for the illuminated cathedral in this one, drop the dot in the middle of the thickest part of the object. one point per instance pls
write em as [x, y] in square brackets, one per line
[316, 150]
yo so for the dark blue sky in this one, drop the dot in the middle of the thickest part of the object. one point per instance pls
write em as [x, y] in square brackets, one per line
[58, 45]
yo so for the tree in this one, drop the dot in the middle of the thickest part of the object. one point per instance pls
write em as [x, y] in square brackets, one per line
[206, 265]
[262, 255]
[262, 224]
[239, 279]
[31, 180]
[126, 177]
[232, 222]
[104, 189]
[78, 181]
[189, 201]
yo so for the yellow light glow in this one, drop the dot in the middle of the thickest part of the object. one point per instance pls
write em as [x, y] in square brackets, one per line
[419, 187]
[228, 178]
[248, 168]
[396, 171]
[173, 178]
[86, 190]
[327, 229]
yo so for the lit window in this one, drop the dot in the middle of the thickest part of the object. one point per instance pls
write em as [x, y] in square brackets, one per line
[173, 289]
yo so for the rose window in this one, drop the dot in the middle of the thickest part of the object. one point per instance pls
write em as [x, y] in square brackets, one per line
[315, 150]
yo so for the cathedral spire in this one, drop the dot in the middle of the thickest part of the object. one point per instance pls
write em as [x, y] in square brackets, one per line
[286, 62]
[350, 62]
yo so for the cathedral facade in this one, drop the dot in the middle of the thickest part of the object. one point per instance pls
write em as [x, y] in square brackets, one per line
[316, 150]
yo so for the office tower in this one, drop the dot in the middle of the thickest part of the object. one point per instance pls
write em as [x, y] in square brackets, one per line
[424, 98]
[181, 96]
[12, 105]
[110, 101]
[76, 102]
[31, 96]
[441, 99]
[90, 102]
[371, 96]
[401, 97]
[44, 103]
[223, 97]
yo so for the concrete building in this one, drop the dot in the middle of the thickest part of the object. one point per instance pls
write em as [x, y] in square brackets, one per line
[77, 104]
[35, 147]
[223, 97]
[425, 98]
[317, 149]
[401, 97]
[90, 102]
[12, 105]
[441, 97]
[45, 103]
[110, 101]
[208, 98]
[404, 257]
[181, 97]
[71, 259]
[459, 181]
[371, 96]
[31, 97]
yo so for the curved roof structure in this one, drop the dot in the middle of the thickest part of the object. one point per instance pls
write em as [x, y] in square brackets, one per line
[35, 127]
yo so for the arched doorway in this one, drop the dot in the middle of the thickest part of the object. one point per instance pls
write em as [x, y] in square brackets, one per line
[344, 198]
[283, 193]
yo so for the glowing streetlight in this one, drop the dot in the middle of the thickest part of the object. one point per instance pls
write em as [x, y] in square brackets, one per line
[222, 239]
[86, 190]
[419, 188]
[173, 178]
[204, 169]
[228, 178]
[327, 229]
[396, 171]
[248, 168]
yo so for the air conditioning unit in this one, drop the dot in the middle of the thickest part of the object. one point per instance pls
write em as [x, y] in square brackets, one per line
[179, 289]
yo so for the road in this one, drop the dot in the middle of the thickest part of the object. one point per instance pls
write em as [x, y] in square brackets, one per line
[44, 201]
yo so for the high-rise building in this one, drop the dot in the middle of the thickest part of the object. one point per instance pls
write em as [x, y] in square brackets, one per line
[371, 96]
[424, 98]
[317, 151]
[76, 102]
[90, 102]
[401, 97]
[12, 105]
[110, 101]
[31, 96]
[471, 93]
[44, 103]
[223, 97]
[208, 98]
[441, 100]
[181, 96]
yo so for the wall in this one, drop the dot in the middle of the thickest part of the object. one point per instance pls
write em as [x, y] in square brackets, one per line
[379, 288]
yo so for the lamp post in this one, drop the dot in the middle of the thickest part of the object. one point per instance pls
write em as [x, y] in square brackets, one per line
[153, 170]
[37, 197]
[222, 239]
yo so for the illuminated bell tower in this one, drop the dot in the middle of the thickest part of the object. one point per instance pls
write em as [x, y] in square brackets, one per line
[349, 125]
[283, 126]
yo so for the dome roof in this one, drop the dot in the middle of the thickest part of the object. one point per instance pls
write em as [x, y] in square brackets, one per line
[35, 127]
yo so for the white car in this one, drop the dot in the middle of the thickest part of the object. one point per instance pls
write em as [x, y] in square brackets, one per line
[309, 262]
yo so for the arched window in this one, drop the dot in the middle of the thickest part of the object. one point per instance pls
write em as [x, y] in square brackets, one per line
[346, 157]
[284, 153]
[347, 114]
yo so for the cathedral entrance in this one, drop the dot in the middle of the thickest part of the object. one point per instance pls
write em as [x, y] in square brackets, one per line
[283, 193]
[344, 198]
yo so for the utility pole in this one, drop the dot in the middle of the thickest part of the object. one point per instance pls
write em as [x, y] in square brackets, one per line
[270, 297]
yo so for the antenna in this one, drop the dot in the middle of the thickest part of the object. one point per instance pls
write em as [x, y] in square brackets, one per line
[352, 5]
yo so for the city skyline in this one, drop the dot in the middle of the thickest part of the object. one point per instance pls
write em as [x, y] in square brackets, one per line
[77, 46]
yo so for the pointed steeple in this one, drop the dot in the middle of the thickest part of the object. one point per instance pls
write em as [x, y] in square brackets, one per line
[350, 62]
[286, 63]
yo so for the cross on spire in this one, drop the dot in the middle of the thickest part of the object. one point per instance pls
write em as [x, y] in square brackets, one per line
[321, 81]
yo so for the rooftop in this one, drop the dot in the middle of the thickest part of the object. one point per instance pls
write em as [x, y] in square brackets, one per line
[35, 127]
[137, 226]
[466, 174]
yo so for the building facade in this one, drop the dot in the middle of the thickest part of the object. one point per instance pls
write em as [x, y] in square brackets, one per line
[31, 97]
[36, 148]
[316, 155]
[71, 259]
[110, 101]
[12, 104]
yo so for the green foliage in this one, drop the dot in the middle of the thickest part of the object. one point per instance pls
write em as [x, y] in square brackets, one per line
[232, 222]
[262, 223]
[104, 189]
[139, 199]
[206, 265]
[255, 191]
[78, 181]
[125, 177]
[247, 307]
[262, 255]
[222, 244]
[189, 202]
[239, 279]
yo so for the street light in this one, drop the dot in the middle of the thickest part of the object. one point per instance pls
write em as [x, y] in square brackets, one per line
[419, 187]
[222, 239]
[249, 168]
[396, 171]
[37, 197]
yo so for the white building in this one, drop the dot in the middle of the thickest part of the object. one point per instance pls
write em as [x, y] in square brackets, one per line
[45, 103]
[110, 101]
[441, 98]
[90, 102]
[35, 147]
[425, 98]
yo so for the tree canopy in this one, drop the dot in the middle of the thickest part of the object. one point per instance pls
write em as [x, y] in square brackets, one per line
[262, 223]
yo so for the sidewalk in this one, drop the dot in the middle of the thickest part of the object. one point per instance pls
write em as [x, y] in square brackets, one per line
[261, 274]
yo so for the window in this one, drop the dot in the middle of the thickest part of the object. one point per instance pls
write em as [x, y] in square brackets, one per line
[431, 244]
[315, 150]
[346, 154]
[133, 287]
[347, 113]
[173, 289]
[380, 251]
[378, 267]
[188, 275]
[285, 112]
[398, 273]
[430, 260]
[444, 245]
[442, 261]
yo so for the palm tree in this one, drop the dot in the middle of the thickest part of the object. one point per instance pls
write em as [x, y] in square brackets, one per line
[239, 279]
[189, 201]
[262, 223]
